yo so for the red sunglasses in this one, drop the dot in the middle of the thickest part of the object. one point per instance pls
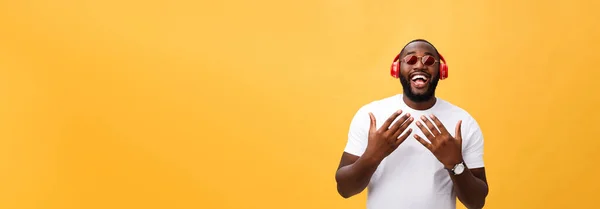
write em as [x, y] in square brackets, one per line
[427, 60]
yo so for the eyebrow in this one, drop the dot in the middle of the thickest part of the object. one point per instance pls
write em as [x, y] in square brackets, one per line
[426, 53]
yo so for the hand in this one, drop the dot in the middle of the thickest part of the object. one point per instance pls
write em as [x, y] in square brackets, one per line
[447, 149]
[384, 141]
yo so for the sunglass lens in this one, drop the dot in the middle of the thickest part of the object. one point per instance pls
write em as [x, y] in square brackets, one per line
[428, 60]
[411, 60]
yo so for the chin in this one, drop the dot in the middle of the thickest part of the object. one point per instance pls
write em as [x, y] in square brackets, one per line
[418, 95]
[419, 92]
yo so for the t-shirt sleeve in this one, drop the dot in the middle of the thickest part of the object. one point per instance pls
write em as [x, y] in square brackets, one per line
[473, 144]
[358, 133]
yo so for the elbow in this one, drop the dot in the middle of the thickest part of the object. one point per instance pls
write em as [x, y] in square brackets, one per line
[340, 189]
[344, 194]
[344, 188]
[473, 203]
[478, 205]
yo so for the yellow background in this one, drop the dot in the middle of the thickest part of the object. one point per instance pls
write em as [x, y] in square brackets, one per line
[244, 104]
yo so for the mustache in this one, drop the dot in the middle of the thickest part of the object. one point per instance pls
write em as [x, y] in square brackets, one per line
[419, 72]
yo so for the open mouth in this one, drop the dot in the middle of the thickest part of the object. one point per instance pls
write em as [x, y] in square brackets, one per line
[419, 80]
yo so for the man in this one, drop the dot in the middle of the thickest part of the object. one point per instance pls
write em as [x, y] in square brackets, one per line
[414, 150]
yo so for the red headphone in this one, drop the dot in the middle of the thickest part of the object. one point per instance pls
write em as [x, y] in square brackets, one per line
[395, 71]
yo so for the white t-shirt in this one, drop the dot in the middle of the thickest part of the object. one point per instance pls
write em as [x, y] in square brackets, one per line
[411, 177]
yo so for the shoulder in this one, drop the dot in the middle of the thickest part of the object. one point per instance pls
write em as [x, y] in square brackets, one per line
[455, 113]
[380, 108]
[454, 110]
[381, 104]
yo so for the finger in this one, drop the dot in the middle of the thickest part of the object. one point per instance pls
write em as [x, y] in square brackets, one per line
[403, 126]
[389, 121]
[439, 124]
[425, 131]
[403, 137]
[372, 127]
[430, 126]
[458, 132]
[398, 124]
[423, 142]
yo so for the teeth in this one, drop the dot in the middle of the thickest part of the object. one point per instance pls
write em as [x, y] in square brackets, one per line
[419, 76]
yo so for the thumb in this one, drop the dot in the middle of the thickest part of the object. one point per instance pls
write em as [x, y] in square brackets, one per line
[458, 132]
[372, 127]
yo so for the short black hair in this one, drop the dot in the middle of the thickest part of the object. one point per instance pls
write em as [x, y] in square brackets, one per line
[420, 40]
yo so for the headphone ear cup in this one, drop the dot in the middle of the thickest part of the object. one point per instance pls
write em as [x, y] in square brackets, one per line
[443, 71]
[394, 69]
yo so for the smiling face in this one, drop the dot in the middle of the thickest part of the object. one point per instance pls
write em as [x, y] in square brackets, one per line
[419, 71]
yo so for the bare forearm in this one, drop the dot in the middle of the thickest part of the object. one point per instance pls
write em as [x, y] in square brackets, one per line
[354, 178]
[471, 191]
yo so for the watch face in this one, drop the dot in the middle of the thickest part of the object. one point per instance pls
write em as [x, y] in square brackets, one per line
[459, 169]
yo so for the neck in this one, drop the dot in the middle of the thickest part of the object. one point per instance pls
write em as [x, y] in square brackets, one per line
[419, 105]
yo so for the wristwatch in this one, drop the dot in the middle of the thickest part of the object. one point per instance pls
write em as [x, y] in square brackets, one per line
[458, 169]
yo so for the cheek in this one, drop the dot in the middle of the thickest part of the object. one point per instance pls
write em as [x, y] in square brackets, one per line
[435, 71]
[404, 71]
[432, 70]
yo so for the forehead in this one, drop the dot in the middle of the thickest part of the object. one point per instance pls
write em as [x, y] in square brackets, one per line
[419, 48]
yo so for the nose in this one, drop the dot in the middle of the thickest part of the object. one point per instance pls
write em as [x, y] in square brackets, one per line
[419, 65]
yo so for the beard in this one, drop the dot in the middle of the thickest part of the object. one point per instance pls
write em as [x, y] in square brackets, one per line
[430, 93]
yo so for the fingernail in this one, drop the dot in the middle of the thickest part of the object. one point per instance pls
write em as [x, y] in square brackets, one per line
[410, 119]
[399, 111]
[423, 117]
[407, 114]
[418, 123]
